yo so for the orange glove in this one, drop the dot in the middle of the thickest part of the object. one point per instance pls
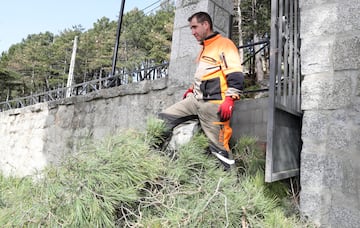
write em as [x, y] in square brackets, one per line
[190, 90]
[225, 109]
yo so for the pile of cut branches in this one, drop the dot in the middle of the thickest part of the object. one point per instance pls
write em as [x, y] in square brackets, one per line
[123, 182]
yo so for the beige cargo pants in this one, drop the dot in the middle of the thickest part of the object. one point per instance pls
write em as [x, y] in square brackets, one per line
[218, 133]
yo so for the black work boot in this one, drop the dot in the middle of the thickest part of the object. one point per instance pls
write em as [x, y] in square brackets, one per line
[223, 156]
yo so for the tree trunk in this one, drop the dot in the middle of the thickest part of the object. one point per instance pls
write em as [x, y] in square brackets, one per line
[241, 41]
[8, 94]
[258, 63]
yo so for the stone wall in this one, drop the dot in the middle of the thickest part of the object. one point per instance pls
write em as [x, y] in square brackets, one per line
[42, 134]
[22, 134]
[35, 136]
[330, 157]
[250, 119]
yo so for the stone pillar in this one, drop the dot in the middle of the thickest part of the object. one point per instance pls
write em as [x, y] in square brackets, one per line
[330, 158]
[185, 48]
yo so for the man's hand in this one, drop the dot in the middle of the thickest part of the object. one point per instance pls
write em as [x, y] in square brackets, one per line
[190, 90]
[225, 109]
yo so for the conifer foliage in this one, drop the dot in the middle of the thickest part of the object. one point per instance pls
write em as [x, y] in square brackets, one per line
[123, 182]
[43, 60]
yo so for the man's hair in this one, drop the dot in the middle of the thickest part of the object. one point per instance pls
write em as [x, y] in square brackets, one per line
[201, 17]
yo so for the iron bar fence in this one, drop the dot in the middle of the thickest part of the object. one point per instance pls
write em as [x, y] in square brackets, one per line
[120, 78]
[264, 44]
[250, 59]
[150, 73]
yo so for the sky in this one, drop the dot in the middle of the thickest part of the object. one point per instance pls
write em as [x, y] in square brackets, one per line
[19, 18]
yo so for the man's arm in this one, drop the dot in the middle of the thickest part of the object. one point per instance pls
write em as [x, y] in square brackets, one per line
[232, 70]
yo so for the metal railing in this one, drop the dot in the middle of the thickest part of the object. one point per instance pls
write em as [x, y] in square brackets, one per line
[150, 73]
[264, 46]
[264, 49]
[121, 78]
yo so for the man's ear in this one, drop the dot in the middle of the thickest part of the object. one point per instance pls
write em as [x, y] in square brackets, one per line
[206, 24]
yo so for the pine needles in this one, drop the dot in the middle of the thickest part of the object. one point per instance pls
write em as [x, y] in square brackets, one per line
[85, 189]
[124, 182]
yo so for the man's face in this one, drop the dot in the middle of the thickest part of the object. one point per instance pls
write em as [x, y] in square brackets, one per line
[199, 30]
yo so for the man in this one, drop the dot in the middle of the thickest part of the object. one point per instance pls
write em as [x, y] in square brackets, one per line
[217, 83]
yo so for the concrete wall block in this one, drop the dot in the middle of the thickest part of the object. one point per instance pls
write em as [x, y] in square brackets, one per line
[189, 46]
[314, 24]
[321, 168]
[248, 119]
[315, 125]
[339, 136]
[305, 4]
[16, 164]
[22, 155]
[355, 133]
[221, 20]
[249, 104]
[64, 115]
[182, 70]
[185, 3]
[225, 5]
[328, 180]
[257, 116]
[49, 120]
[58, 143]
[335, 128]
[315, 55]
[320, 172]
[350, 180]
[265, 115]
[356, 84]
[338, 176]
[348, 16]
[314, 165]
[175, 44]
[335, 17]
[344, 216]
[326, 91]
[260, 131]
[314, 205]
[188, 8]
[102, 107]
[346, 52]
[184, 48]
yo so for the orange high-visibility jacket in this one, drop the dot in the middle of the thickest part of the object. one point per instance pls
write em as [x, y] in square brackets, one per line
[219, 71]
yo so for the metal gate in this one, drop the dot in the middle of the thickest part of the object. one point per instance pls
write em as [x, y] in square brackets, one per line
[284, 123]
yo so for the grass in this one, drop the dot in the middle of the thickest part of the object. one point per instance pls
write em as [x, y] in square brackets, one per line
[124, 182]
